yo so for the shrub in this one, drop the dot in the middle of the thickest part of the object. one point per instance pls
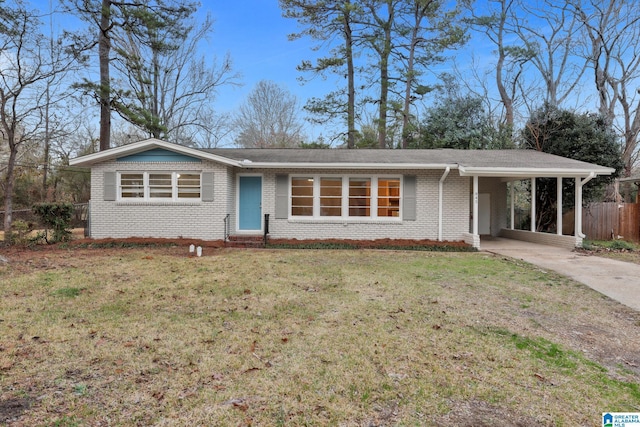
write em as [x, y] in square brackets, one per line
[57, 217]
[620, 245]
[20, 232]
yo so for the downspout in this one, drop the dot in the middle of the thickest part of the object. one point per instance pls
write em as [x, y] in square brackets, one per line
[579, 203]
[440, 202]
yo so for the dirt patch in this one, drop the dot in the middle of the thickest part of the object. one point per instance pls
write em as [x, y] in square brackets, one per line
[11, 409]
[476, 413]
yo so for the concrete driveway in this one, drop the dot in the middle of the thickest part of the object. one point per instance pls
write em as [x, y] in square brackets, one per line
[616, 279]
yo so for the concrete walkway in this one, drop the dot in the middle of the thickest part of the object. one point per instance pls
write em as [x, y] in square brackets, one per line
[616, 279]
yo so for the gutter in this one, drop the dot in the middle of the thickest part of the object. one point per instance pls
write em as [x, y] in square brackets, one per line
[440, 201]
[528, 172]
[248, 164]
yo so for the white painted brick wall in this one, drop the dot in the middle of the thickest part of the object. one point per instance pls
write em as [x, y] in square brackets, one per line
[205, 220]
[568, 242]
[455, 218]
[198, 220]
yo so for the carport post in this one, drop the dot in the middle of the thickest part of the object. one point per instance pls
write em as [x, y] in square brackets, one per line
[440, 192]
[578, 209]
[559, 206]
[513, 205]
[533, 204]
[475, 205]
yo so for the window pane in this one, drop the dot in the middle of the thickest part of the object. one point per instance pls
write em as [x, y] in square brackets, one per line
[330, 196]
[359, 196]
[160, 185]
[131, 185]
[302, 196]
[188, 185]
[388, 197]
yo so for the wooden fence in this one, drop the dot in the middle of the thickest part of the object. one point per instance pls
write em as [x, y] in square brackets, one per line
[78, 220]
[607, 221]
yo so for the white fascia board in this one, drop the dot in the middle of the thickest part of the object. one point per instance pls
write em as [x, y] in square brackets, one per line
[141, 146]
[350, 166]
[531, 172]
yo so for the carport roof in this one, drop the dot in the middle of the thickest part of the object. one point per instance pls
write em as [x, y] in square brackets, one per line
[500, 163]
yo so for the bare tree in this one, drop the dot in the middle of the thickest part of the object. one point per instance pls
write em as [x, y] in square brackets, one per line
[110, 16]
[498, 26]
[212, 131]
[268, 118]
[26, 71]
[169, 83]
[550, 31]
[613, 29]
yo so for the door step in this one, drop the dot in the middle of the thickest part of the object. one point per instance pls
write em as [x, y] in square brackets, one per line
[245, 241]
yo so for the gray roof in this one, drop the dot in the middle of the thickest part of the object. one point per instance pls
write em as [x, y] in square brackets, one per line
[501, 159]
[516, 164]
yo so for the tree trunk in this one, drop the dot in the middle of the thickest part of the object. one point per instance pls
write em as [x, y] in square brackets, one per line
[351, 92]
[8, 195]
[410, 75]
[47, 146]
[155, 109]
[104, 49]
[384, 78]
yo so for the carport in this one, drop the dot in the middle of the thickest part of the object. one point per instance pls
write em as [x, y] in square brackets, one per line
[493, 195]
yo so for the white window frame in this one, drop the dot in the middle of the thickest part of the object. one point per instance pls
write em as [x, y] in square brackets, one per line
[373, 207]
[146, 187]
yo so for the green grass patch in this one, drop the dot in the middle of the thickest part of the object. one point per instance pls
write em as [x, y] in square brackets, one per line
[615, 245]
[545, 350]
[68, 292]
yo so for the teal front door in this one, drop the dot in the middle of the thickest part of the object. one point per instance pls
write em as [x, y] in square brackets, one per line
[250, 203]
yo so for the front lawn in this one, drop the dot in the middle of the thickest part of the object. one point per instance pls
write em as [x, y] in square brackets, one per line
[151, 336]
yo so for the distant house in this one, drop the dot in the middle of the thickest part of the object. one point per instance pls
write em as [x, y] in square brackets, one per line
[154, 188]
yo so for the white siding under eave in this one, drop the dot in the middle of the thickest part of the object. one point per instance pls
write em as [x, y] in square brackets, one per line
[498, 191]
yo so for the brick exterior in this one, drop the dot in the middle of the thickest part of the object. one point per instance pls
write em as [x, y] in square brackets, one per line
[197, 220]
[549, 239]
[455, 218]
[205, 220]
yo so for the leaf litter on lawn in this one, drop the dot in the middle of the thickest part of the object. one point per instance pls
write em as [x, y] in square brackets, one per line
[269, 337]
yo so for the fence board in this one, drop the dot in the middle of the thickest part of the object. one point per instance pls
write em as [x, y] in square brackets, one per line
[610, 220]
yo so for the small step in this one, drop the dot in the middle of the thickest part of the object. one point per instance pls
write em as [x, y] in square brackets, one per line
[245, 241]
[246, 237]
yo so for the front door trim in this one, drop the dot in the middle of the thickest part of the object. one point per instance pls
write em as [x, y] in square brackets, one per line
[239, 228]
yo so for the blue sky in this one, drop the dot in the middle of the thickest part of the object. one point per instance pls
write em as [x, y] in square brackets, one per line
[255, 34]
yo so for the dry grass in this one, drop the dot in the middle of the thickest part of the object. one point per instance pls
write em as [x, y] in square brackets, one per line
[277, 337]
[615, 249]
